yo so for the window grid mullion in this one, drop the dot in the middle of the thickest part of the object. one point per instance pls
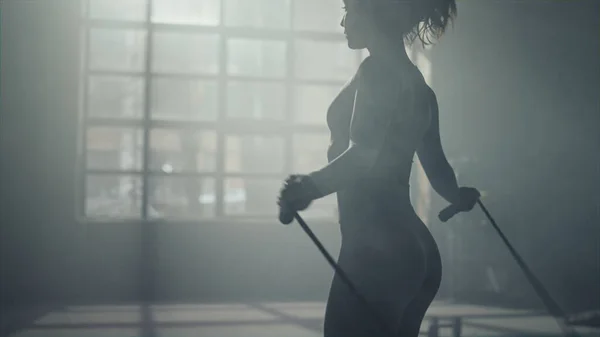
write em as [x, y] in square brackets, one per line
[210, 77]
[146, 122]
[237, 32]
[290, 111]
[84, 114]
[221, 114]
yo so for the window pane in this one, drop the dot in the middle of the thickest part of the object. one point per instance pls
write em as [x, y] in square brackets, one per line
[258, 13]
[185, 53]
[254, 154]
[114, 148]
[318, 60]
[113, 196]
[112, 96]
[175, 150]
[175, 99]
[310, 152]
[181, 197]
[256, 58]
[117, 49]
[312, 103]
[251, 196]
[318, 15]
[125, 10]
[256, 100]
[199, 12]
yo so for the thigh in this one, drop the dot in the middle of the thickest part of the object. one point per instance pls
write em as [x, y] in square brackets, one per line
[389, 282]
[347, 316]
[414, 313]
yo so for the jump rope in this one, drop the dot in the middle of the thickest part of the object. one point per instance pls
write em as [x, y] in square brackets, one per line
[446, 214]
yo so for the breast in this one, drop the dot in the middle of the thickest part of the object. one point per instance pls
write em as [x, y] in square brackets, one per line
[408, 128]
[339, 116]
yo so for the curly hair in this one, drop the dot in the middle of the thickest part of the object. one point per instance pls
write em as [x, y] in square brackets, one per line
[431, 18]
[425, 20]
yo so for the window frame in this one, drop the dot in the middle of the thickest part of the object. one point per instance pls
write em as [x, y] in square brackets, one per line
[223, 126]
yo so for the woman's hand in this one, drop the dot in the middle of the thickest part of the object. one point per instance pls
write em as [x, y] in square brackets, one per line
[467, 198]
[463, 202]
[297, 193]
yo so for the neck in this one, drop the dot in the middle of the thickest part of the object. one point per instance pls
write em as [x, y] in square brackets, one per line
[393, 52]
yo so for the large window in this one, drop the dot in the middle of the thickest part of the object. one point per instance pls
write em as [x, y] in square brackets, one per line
[199, 108]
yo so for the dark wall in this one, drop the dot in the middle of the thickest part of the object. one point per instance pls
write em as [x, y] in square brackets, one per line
[518, 85]
[38, 100]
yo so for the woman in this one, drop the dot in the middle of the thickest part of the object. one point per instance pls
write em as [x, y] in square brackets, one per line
[379, 120]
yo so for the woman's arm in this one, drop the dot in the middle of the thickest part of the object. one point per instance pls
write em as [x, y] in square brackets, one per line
[433, 159]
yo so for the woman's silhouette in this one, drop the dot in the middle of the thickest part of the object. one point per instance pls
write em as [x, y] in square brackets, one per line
[383, 116]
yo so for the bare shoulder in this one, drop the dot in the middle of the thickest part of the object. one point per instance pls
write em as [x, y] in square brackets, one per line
[389, 84]
[378, 78]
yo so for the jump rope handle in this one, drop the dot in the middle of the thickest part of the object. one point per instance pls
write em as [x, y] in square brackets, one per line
[448, 212]
[286, 216]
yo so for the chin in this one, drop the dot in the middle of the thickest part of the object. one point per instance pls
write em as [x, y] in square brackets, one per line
[355, 45]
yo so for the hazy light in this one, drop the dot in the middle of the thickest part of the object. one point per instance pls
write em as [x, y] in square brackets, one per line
[167, 168]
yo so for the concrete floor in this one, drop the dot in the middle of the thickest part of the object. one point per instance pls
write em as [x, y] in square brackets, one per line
[261, 320]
